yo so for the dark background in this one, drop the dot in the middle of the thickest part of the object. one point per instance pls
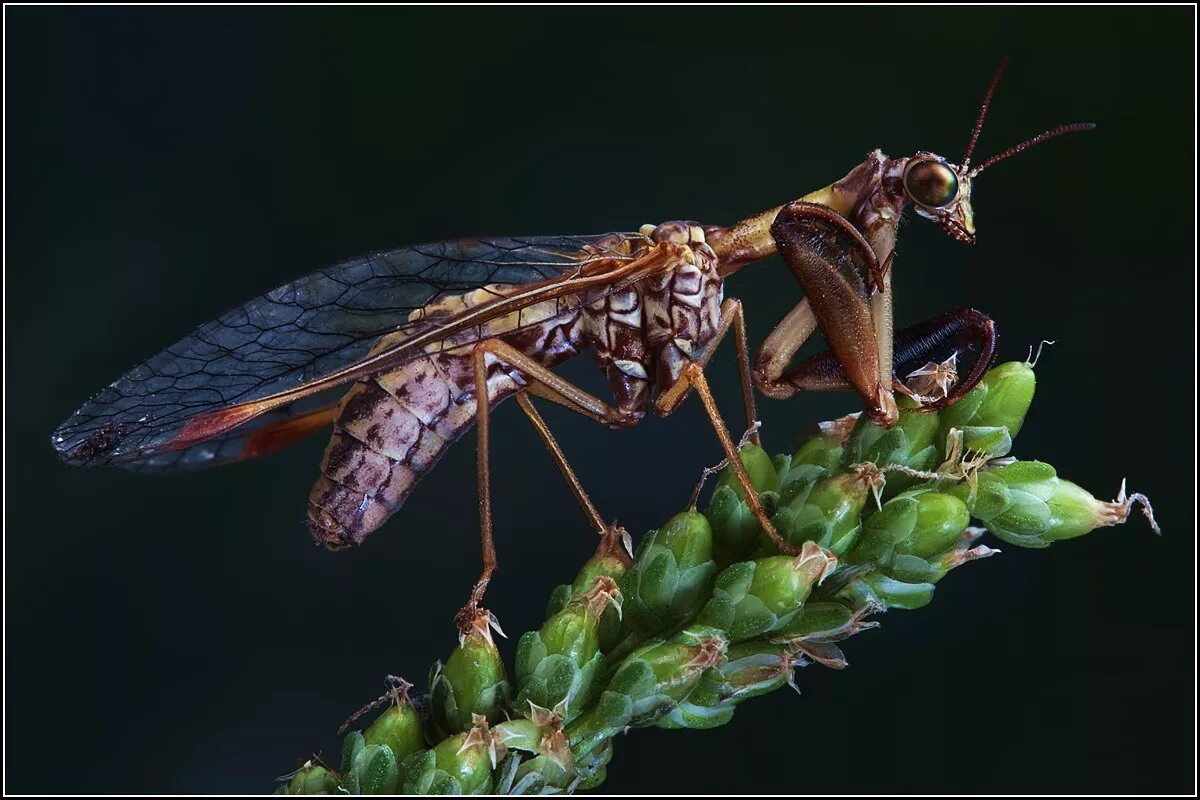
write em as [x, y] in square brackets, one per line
[183, 634]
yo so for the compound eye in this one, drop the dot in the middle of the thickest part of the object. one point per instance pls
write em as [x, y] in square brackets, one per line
[931, 183]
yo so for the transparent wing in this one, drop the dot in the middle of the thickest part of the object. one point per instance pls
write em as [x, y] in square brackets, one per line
[297, 334]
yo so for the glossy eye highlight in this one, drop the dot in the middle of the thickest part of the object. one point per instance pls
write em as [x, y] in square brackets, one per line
[931, 183]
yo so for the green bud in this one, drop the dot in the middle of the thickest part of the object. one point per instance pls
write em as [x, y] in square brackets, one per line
[657, 676]
[885, 592]
[671, 575]
[830, 515]
[829, 621]
[909, 443]
[312, 778]
[751, 669]
[756, 597]
[556, 665]
[398, 727]
[604, 719]
[1025, 503]
[736, 532]
[959, 554]
[472, 681]
[540, 735]
[991, 414]
[758, 465]
[459, 764]
[610, 560]
[919, 524]
[825, 448]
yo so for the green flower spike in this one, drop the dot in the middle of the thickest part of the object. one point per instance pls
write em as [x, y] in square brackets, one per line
[472, 681]
[756, 597]
[557, 664]
[707, 614]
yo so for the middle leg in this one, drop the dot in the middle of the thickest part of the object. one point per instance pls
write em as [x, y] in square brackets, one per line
[544, 383]
[691, 376]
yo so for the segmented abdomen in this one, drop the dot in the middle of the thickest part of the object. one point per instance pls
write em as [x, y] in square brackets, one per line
[392, 429]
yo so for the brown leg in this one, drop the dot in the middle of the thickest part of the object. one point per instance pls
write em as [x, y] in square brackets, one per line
[693, 376]
[560, 460]
[543, 383]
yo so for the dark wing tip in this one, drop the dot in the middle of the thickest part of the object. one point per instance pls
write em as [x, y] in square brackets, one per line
[92, 447]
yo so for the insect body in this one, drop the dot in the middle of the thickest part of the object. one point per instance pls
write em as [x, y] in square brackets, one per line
[391, 428]
[398, 349]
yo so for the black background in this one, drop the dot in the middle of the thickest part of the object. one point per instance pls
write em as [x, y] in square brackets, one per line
[183, 634]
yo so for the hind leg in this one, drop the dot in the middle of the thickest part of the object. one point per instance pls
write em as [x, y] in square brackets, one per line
[543, 383]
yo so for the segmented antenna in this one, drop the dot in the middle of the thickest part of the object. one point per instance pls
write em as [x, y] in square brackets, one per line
[1041, 137]
[983, 110]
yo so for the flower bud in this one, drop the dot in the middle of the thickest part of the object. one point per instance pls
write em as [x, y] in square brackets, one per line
[657, 676]
[751, 669]
[671, 575]
[825, 448]
[829, 621]
[312, 778]
[831, 513]
[755, 597]
[919, 523]
[886, 592]
[459, 764]
[991, 414]
[759, 467]
[556, 665]
[1026, 504]
[540, 734]
[398, 727]
[472, 681]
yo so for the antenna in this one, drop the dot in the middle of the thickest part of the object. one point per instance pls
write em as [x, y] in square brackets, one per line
[1041, 137]
[983, 110]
